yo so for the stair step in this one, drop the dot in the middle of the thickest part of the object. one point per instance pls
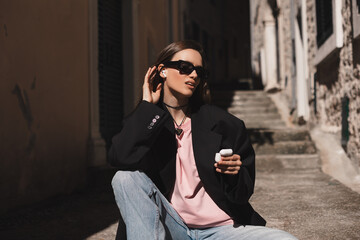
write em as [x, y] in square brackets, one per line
[249, 104]
[236, 95]
[267, 124]
[270, 163]
[240, 98]
[238, 92]
[285, 147]
[276, 135]
[258, 116]
[245, 110]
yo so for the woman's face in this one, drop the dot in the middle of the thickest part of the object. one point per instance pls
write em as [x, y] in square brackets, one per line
[182, 85]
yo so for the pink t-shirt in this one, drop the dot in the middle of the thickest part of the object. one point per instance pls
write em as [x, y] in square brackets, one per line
[189, 197]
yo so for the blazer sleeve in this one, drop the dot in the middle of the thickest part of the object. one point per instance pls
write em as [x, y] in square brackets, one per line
[240, 187]
[139, 132]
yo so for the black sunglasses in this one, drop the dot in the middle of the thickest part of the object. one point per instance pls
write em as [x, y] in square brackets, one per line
[185, 67]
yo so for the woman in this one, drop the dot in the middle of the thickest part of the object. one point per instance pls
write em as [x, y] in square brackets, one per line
[169, 186]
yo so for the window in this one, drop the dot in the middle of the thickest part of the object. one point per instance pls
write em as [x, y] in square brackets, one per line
[324, 20]
[329, 29]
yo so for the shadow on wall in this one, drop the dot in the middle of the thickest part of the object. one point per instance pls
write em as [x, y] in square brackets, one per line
[328, 70]
[75, 216]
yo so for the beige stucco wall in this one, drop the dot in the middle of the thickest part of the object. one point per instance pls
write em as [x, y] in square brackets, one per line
[44, 101]
[150, 36]
[261, 12]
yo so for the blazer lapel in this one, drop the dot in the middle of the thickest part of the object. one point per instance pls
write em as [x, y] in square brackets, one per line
[169, 124]
[205, 144]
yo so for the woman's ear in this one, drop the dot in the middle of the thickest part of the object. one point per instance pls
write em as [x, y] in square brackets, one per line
[162, 70]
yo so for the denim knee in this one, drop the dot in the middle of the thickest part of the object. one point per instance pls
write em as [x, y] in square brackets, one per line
[122, 178]
[131, 181]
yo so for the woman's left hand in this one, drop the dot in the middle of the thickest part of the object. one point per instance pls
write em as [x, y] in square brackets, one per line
[229, 165]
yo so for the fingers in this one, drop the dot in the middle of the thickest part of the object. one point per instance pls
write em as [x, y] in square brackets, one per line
[156, 94]
[233, 160]
[230, 172]
[229, 165]
[147, 86]
[148, 74]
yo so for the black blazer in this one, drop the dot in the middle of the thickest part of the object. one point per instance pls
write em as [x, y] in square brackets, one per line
[147, 143]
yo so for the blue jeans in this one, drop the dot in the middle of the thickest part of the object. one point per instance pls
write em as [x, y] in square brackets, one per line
[148, 215]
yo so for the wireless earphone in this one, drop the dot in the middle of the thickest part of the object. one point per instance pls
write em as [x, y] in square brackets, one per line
[163, 72]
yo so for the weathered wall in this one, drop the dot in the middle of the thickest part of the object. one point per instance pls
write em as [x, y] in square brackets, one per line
[259, 7]
[350, 75]
[43, 99]
[338, 75]
[257, 30]
[354, 141]
[285, 43]
[337, 78]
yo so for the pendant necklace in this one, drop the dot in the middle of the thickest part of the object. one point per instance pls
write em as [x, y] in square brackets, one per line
[178, 130]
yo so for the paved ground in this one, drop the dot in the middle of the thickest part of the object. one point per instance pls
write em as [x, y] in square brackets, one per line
[307, 203]
[83, 215]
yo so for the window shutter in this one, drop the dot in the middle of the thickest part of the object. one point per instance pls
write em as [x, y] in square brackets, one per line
[110, 68]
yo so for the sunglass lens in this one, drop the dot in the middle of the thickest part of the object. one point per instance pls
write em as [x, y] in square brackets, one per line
[185, 68]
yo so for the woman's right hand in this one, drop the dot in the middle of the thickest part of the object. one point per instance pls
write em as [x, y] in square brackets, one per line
[148, 94]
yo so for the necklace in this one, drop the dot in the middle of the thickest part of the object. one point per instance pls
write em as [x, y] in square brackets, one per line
[178, 130]
[178, 107]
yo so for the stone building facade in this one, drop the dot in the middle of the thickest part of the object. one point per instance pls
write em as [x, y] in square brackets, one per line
[329, 69]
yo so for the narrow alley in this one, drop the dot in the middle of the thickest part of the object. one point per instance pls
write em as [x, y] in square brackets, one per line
[71, 71]
[291, 192]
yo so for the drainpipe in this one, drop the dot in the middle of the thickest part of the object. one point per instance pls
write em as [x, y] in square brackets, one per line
[301, 70]
[293, 66]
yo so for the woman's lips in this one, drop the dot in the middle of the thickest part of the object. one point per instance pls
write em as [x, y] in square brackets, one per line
[191, 85]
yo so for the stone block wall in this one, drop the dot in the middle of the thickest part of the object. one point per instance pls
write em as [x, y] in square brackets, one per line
[285, 14]
[338, 76]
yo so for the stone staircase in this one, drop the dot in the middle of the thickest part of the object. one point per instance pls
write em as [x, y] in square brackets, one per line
[291, 191]
[275, 144]
[254, 107]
